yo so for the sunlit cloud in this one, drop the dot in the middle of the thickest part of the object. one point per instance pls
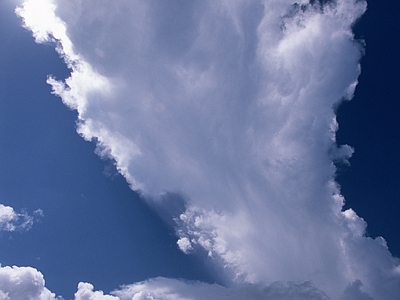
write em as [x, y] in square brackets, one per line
[23, 283]
[231, 106]
[13, 221]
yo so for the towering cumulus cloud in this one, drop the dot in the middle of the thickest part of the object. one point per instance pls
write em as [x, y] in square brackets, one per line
[227, 107]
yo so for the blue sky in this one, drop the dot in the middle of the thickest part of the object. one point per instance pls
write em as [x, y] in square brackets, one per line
[95, 229]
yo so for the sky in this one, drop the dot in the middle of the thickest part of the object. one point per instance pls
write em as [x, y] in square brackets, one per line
[199, 150]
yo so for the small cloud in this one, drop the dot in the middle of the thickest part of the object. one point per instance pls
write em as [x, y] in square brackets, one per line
[86, 292]
[185, 245]
[13, 221]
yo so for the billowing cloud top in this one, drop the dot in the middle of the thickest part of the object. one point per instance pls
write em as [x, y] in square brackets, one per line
[230, 105]
[23, 283]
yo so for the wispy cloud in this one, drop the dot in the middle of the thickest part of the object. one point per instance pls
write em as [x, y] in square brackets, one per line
[13, 221]
[230, 105]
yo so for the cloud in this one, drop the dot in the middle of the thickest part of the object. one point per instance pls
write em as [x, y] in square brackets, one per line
[353, 291]
[12, 221]
[170, 289]
[26, 283]
[230, 105]
[23, 283]
[86, 292]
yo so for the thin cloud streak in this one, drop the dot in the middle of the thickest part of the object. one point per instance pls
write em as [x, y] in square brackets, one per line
[230, 105]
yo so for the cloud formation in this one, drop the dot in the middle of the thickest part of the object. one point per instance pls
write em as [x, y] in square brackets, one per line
[23, 283]
[12, 221]
[229, 104]
[170, 289]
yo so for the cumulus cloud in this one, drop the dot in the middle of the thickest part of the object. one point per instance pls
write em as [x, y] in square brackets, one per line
[229, 104]
[23, 283]
[86, 292]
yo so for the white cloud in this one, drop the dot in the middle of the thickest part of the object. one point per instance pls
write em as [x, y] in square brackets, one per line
[26, 283]
[230, 104]
[23, 283]
[86, 292]
[12, 221]
[171, 289]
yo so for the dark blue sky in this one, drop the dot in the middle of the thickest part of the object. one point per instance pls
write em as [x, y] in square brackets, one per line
[45, 164]
[371, 124]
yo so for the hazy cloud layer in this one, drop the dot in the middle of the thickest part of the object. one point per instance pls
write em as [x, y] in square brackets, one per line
[229, 104]
[170, 289]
